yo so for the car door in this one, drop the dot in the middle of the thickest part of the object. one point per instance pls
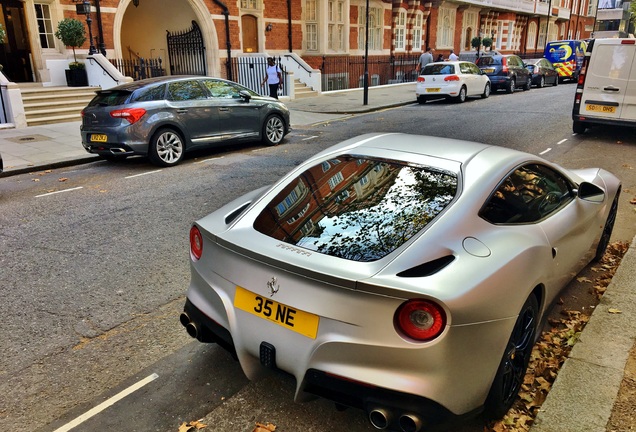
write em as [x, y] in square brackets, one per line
[468, 77]
[238, 117]
[189, 105]
[535, 194]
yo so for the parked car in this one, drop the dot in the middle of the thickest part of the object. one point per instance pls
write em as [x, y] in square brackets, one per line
[1, 164]
[377, 271]
[542, 72]
[605, 90]
[506, 72]
[165, 117]
[452, 79]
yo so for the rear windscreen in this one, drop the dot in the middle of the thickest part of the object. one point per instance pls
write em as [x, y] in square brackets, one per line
[438, 69]
[488, 61]
[110, 98]
[357, 208]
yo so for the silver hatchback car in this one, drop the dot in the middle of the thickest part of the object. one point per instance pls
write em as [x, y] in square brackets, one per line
[164, 117]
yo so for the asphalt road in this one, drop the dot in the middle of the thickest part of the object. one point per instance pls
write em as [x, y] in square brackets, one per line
[94, 267]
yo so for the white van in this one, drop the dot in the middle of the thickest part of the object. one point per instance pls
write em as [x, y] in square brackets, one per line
[606, 90]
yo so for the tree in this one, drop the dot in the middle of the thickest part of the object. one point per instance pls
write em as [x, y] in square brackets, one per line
[487, 42]
[475, 42]
[71, 32]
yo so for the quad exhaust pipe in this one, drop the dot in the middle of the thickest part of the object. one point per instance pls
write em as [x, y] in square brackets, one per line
[191, 328]
[381, 418]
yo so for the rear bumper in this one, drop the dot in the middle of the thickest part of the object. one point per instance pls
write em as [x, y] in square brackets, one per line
[393, 405]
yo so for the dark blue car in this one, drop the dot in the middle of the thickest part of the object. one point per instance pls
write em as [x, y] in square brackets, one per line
[506, 72]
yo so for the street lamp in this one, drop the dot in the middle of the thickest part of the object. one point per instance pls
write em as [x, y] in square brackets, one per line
[84, 8]
[365, 95]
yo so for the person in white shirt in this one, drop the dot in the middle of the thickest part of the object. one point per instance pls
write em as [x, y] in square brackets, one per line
[273, 77]
[453, 56]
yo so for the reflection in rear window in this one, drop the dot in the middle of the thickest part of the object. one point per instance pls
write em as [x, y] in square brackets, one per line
[357, 208]
[110, 98]
[488, 61]
[438, 69]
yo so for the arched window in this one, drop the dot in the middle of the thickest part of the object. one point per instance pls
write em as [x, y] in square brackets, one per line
[468, 37]
[445, 28]
[531, 36]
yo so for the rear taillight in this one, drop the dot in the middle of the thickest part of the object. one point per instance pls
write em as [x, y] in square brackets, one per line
[420, 320]
[420, 79]
[504, 69]
[196, 243]
[132, 115]
[451, 78]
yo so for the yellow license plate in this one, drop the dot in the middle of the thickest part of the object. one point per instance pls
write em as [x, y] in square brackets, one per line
[296, 320]
[600, 108]
[99, 138]
[432, 90]
[489, 70]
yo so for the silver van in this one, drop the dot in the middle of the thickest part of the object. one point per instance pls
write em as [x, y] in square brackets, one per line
[606, 90]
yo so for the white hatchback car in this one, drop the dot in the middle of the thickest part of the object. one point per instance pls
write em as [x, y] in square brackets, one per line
[451, 79]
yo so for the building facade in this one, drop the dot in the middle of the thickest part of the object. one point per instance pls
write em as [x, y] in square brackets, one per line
[312, 29]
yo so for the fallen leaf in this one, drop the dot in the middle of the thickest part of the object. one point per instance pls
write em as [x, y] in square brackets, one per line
[62, 179]
[260, 427]
[36, 180]
[583, 279]
[614, 311]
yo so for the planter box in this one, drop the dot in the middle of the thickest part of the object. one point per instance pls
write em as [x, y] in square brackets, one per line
[76, 77]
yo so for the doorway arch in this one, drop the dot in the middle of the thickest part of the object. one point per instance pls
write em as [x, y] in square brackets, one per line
[153, 23]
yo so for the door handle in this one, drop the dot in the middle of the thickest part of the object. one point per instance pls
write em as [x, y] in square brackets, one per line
[182, 111]
[611, 88]
[223, 109]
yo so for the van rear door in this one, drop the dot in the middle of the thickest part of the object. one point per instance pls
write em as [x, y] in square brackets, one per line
[608, 92]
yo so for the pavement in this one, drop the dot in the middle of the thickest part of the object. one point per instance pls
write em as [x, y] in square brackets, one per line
[584, 393]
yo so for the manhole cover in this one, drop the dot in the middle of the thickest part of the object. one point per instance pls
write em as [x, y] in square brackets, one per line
[29, 139]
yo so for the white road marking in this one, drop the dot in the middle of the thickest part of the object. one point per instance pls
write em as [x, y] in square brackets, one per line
[562, 141]
[102, 406]
[545, 151]
[311, 137]
[210, 160]
[142, 174]
[60, 191]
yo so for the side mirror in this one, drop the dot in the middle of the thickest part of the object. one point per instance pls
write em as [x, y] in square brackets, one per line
[245, 95]
[590, 192]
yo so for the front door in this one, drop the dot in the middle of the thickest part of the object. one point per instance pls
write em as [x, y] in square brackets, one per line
[250, 33]
[15, 52]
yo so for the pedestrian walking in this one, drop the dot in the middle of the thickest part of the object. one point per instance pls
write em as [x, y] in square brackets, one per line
[273, 77]
[452, 56]
[439, 58]
[425, 58]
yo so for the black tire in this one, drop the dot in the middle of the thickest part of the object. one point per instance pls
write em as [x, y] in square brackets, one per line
[541, 82]
[556, 82]
[273, 130]
[607, 229]
[421, 100]
[461, 97]
[510, 88]
[528, 84]
[486, 92]
[578, 127]
[514, 362]
[166, 148]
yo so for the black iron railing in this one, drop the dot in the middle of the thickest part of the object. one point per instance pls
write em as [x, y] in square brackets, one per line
[140, 68]
[344, 72]
[250, 72]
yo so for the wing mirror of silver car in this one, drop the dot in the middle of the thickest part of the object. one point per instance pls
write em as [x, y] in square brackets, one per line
[590, 192]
